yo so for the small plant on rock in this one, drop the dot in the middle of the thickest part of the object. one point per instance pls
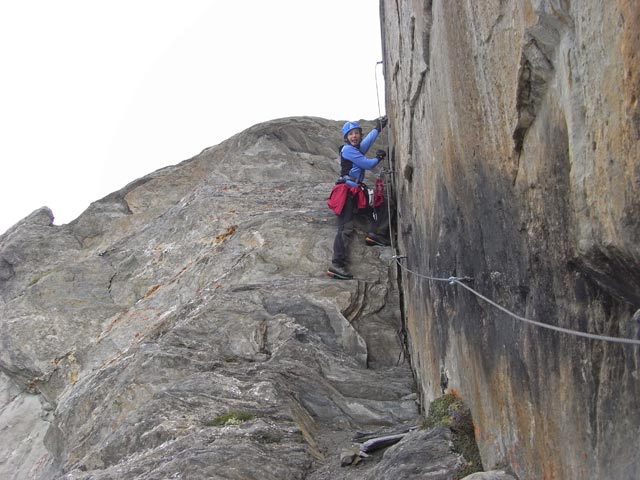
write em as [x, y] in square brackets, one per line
[449, 410]
[229, 418]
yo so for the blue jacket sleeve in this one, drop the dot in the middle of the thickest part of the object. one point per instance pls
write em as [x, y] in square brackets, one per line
[367, 141]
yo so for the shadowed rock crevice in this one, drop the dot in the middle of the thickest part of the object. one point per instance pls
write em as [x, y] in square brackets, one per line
[6, 270]
[541, 50]
[536, 70]
[613, 271]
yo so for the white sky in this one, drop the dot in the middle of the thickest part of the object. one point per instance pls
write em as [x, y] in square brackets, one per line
[95, 94]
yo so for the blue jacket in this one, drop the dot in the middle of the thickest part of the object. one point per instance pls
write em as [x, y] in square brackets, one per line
[357, 157]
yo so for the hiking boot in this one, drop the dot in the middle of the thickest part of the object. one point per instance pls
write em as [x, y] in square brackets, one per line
[339, 272]
[372, 239]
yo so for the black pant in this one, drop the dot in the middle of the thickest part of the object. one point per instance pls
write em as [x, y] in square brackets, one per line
[379, 224]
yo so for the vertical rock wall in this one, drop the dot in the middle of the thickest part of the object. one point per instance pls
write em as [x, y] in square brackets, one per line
[515, 133]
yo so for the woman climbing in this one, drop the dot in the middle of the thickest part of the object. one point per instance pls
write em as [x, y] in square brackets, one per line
[349, 195]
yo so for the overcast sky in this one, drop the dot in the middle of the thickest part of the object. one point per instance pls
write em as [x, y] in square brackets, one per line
[95, 94]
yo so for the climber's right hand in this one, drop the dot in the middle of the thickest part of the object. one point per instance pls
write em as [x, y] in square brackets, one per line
[381, 123]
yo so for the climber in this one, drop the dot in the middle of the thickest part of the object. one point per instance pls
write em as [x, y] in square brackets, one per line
[349, 195]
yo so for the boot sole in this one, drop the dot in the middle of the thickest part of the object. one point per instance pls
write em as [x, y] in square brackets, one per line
[338, 277]
[373, 243]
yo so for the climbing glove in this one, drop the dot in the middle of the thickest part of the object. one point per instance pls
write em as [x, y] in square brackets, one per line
[381, 154]
[381, 123]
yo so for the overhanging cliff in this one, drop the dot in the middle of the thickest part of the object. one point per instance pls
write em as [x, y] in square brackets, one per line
[515, 138]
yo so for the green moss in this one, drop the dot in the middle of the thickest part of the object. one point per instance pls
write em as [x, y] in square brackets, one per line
[450, 411]
[439, 411]
[229, 418]
[468, 448]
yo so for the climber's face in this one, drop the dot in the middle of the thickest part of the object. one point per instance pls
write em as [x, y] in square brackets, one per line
[354, 137]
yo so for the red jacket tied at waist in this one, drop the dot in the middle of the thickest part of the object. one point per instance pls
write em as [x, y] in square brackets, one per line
[338, 197]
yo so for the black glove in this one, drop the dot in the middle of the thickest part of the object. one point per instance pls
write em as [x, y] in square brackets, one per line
[381, 154]
[381, 123]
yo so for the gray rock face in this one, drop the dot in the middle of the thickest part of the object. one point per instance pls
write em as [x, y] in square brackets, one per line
[184, 326]
[514, 132]
[493, 475]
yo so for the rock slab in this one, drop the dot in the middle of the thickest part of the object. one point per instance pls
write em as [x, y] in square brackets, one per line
[184, 326]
